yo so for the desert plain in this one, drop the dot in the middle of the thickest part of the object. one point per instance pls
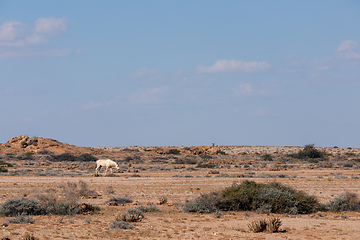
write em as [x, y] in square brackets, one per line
[167, 177]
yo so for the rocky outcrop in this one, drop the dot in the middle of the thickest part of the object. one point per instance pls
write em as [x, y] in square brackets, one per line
[22, 144]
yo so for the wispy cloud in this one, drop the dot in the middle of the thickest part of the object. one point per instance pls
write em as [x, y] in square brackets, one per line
[150, 95]
[233, 65]
[259, 112]
[348, 49]
[18, 39]
[91, 105]
[147, 73]
[246, 89]
[50, 26]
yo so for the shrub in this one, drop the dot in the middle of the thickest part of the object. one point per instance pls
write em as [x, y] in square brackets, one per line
[150, 208]
[218, 214]
[174, 151]
[20, 206]
[72, 191]
[195, 206]
[86, 157]
[309, 151]
[130, 215]
[84, 190]
[2, 169]
[65, 157]
[185, 161]
[251, 196]
[5, 163]
[205, 157]
[267, 157]
[21, 219]
[52, 205]
[120, 225]
[119, 200]
[346, 202]
[205, 165]
[206, 203]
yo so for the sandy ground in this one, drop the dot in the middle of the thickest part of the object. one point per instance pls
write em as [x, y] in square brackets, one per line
[178, 185]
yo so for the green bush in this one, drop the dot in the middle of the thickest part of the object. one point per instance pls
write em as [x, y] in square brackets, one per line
[21, 206]
[267, 157]
[119, 200]
[173, 151]
[251, 196]
[309, 151]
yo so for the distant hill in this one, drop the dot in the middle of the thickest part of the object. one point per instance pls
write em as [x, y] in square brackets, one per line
[22, 144]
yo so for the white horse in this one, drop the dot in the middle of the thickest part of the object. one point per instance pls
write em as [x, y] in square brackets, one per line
[108, 163]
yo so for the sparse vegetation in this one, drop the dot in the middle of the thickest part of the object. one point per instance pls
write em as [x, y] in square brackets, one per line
[186, 160]
[85, 157]
[206, 165]
[50, 203]
[258, 200]
[150, 208]
[120, 225]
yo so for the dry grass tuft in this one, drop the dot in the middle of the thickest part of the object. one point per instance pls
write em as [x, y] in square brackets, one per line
[260, 225]
[273, 224]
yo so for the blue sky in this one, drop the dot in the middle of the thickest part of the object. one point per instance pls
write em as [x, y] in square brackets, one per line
[181, 73]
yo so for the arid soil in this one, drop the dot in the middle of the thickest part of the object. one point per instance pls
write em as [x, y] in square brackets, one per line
[177, 174]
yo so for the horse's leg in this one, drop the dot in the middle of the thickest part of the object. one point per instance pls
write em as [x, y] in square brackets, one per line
[98, 169]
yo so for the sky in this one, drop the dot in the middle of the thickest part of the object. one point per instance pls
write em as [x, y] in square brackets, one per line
[181, 73]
